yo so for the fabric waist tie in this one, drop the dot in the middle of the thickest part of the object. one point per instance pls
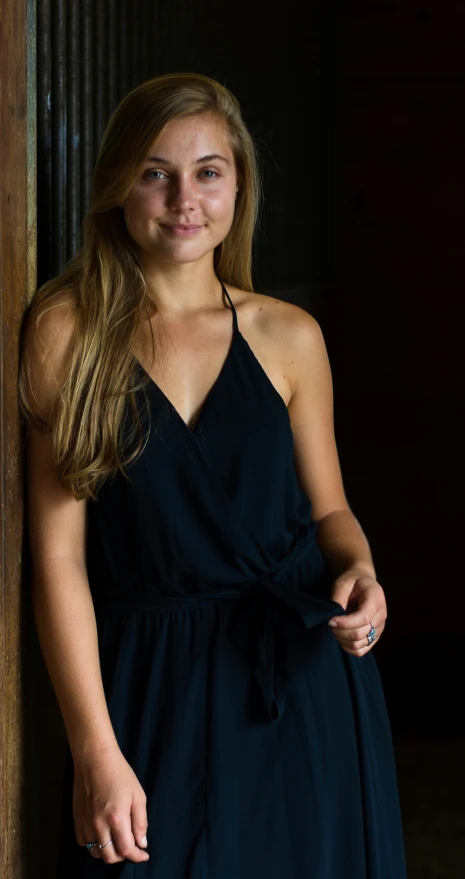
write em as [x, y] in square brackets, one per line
[272, 628]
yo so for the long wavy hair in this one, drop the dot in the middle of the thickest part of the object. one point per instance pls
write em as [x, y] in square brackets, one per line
[107, 287]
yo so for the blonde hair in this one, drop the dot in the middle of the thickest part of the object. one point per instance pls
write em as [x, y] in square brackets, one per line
[106, 287]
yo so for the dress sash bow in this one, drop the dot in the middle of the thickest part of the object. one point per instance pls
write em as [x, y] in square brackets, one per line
[273, 628]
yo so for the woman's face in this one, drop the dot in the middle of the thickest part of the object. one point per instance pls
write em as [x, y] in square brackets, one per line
[182, 204]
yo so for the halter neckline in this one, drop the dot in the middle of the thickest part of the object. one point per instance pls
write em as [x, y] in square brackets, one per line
[235, 322]
[238, 344]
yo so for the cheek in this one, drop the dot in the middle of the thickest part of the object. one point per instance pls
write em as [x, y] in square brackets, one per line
[142, 204]
[219, 205]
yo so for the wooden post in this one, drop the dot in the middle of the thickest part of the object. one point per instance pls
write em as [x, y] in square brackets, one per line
[17, 280]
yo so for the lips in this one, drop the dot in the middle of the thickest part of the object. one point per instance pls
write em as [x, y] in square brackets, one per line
[181, 230]
[188, 227]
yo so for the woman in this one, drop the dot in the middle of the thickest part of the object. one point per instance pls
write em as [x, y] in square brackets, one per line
[206, 601]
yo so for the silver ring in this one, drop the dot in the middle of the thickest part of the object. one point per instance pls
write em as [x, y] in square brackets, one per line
[90, 845]
[371, 635]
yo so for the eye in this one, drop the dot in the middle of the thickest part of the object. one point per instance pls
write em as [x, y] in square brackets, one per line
[209, 172]
[153, 171]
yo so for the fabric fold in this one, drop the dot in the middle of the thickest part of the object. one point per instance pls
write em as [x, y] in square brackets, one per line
[273, 628]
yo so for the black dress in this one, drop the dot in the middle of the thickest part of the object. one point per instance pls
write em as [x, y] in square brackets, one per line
[264, 749]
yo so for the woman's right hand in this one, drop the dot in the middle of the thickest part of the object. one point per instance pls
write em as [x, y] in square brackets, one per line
[109, 803]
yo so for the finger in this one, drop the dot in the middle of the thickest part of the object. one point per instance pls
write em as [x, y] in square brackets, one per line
[359, 632]
[79, 827]
[361, 617]
[358, 648]
[94, 851]
[139, 821]
[79, 831]
[347, 636]
[123, 838]
[100, 832]
[91, 835]
[363, 642]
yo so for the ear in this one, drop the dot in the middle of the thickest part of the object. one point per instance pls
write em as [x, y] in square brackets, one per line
[238, 181]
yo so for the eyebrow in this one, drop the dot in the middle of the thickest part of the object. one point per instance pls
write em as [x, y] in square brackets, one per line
[159, 160]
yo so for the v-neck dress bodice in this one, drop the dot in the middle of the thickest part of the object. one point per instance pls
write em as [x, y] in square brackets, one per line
[199, 513]
[264, 749]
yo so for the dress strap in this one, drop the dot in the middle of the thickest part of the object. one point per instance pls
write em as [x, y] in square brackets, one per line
[235, 323]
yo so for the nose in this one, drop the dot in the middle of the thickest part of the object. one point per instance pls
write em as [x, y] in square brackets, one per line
[182, 195]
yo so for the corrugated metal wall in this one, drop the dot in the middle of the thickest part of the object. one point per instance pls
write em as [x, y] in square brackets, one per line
[90, 53]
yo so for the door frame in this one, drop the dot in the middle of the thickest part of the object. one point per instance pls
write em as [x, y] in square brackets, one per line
[17, 283]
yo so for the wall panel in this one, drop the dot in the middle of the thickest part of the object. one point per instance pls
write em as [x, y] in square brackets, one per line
[90, 54]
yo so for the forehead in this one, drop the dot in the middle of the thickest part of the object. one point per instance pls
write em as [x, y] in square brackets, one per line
[191, 136]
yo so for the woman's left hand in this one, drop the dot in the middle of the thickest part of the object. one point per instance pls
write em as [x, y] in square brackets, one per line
[366, 595]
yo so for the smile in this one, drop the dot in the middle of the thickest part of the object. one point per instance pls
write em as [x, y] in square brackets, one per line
[183, 231]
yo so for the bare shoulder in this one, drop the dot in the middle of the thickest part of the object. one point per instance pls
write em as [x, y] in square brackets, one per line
[285, 333]
[275, 317]
[48, 336]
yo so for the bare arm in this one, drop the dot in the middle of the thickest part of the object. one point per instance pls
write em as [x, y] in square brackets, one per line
[343, 543]
[339, 534]
[108, 800]
[63, 606]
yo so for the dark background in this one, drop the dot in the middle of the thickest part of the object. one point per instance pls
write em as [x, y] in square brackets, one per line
[357, 112]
